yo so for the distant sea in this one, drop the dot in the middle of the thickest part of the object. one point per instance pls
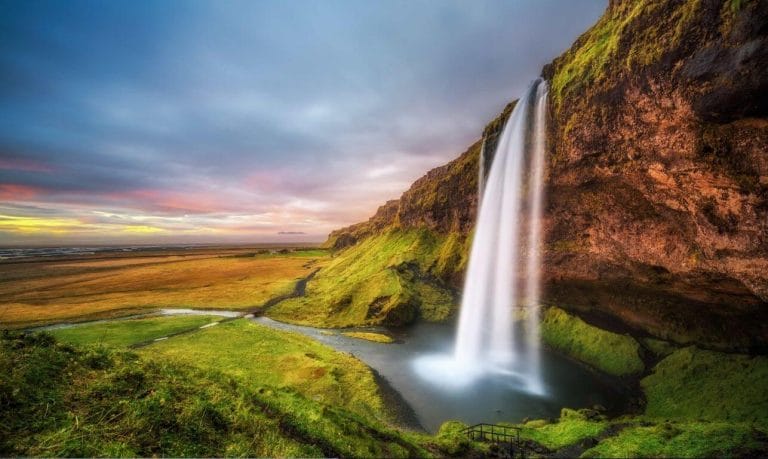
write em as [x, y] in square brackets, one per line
[13, 253]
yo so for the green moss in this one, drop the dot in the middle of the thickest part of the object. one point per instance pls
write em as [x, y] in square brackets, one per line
[451, 255]
[658, 347]
[683, 440]
[572, 427]
[386, 278]
[124, 333]
[368, 336]
[696, 384]
[609, 352]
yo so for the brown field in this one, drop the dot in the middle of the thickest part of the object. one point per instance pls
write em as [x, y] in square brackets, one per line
[43, 291]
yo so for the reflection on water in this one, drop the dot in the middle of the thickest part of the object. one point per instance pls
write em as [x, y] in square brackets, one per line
[487, 397]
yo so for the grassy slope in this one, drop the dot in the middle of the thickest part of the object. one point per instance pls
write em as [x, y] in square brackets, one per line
[59, 400]
[717, 387]
[699, 403]
[47, 292]
[609, 352]
[379, 280]
[127, 332]
[258, 355]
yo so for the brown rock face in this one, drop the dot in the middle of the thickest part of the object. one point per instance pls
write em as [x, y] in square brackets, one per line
[657, 188]
[657, 212]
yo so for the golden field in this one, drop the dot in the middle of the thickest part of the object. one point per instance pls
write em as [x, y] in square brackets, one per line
[39, 292]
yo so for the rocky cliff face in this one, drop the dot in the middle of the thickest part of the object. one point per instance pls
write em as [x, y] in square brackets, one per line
[444, 201]
[658, 185]
[657, 215]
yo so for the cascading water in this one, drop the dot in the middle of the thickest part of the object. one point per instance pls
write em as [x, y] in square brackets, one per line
[504, 250]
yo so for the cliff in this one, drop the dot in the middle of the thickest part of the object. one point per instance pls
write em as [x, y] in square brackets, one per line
[657, 205]
[658, 183]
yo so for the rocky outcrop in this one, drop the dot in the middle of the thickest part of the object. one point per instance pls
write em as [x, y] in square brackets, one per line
[657, 211]
[444, 200]
[658, 186]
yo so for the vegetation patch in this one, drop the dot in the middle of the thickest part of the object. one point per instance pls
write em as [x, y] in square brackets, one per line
[612, 353]
[258, 355]
[693, 384]
[61, 400]
[40, 293]
[384, 279]
[368, 336]
[572, 427]
[124, 333]
[688, 439]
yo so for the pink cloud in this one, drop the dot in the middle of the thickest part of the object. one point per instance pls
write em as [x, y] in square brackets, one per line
[11, 192]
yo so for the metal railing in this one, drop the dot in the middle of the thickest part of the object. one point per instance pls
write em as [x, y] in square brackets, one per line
[504, 435]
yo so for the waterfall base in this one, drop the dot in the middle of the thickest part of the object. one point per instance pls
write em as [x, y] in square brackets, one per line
[446, 372]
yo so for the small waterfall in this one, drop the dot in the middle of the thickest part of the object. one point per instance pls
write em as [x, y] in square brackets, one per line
[506, 248]
[514, 188]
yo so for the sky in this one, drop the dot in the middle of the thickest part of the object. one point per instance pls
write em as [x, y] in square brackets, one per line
[169, 121]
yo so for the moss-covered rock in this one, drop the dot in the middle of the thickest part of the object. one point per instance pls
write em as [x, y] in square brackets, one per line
[370, 336]
[612, 353]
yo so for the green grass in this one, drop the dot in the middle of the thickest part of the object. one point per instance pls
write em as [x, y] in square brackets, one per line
[61, 400]
[693, 384]
[572, 427]
[693, 439]
[609, 352]
[124, 333]
[258, 355]
[386, 278]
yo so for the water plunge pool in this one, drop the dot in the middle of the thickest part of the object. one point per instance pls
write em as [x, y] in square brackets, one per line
[490, 397]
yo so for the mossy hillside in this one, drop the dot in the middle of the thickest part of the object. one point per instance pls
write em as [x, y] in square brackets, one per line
[704, 385]
[124, 333]
[615, 354]
[698, 404]
[60, 400]
[686, 439]
[385, 279]
[258, 355]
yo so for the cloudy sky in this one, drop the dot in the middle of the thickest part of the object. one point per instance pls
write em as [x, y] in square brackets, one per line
[236, 121]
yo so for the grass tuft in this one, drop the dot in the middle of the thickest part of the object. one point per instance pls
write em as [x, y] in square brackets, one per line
[368, 336]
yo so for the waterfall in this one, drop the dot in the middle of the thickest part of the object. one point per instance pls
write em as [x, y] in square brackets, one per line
[505, 250]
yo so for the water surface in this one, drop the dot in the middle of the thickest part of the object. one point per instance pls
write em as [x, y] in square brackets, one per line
[491, 398]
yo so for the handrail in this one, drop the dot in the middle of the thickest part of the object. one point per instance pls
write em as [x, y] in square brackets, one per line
[497, 434]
